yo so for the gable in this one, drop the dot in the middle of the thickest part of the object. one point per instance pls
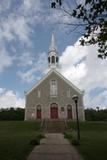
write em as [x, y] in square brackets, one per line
[59, 76]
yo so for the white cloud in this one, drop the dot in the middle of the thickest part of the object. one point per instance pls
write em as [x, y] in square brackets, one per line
[32, 11]
[21, 29]
[2, 90]
[39, 66]
[26, 59]
[4, 5]
[31, 5]
[5, 60]
[60, 19]
[72, 62]
[81, 66]
[98, 101]
[8, 98]
[14, 27]
[27, 76]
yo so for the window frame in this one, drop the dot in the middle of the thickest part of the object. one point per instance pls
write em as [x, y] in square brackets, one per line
[39, 93]
[53, 88]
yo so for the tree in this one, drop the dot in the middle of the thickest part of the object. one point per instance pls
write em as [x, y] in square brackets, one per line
[93, 14]
[96, 115]
[12, 114]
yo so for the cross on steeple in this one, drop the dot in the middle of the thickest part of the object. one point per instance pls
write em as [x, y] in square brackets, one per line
[53, 58]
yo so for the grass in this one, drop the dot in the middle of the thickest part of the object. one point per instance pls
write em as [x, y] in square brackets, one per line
[16, 138]
[93, 143]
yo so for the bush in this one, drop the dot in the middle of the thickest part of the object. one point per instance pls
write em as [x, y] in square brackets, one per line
[67, 135]
[96, 115]
[40, 136]
[34, 142]
[75, 142]
[10, 114]
[71, 137]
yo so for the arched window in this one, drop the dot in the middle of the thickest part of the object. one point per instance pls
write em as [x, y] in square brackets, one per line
[53, 59]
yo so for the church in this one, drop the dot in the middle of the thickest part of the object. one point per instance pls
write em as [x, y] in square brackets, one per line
[51, 97]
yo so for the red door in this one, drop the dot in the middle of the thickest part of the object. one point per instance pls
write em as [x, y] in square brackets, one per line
[54, 111]
[39, 114]
[69, 111]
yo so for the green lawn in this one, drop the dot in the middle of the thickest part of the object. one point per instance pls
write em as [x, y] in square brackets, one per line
[15, 137]
[93, 144]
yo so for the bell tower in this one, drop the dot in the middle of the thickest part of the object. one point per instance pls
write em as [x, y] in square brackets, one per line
[53, 58]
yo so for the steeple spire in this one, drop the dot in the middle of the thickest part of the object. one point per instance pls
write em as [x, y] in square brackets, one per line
[53, 55]
[52, 45]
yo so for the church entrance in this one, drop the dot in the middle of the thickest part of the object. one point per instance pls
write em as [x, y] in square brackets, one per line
[54, 111]
[69, 112]
[38, 112]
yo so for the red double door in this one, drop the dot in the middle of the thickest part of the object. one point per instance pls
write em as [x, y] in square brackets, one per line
[54, 111]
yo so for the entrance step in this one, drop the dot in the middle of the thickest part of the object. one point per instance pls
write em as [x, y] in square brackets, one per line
[54, 126]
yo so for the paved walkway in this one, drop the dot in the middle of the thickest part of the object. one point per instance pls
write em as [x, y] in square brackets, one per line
[54, 147]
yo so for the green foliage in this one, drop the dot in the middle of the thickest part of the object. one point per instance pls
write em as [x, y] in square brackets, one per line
[15, 138]
[34, 142]
[96, 115]
[72, 137]
[93, 15]
[12, 114]
[40, 136]
[56, 2]
[75, 142]
[67, 135]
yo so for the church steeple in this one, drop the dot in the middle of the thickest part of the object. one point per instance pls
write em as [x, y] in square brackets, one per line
[52, 45]
[53, 58]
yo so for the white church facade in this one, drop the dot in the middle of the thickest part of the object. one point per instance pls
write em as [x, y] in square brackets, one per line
[51, 97]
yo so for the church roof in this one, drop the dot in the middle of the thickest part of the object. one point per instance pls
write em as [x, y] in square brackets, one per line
[61, 76]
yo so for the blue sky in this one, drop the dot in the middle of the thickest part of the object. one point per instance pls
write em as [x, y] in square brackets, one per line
[26, 27]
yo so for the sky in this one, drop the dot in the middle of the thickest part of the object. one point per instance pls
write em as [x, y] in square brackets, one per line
[26, 27]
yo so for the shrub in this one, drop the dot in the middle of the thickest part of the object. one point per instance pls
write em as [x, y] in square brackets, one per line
[34, 142]
[40, 136]
[67, 135]
[75, 142]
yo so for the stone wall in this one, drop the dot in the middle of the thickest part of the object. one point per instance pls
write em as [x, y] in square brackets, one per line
[32, 99]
